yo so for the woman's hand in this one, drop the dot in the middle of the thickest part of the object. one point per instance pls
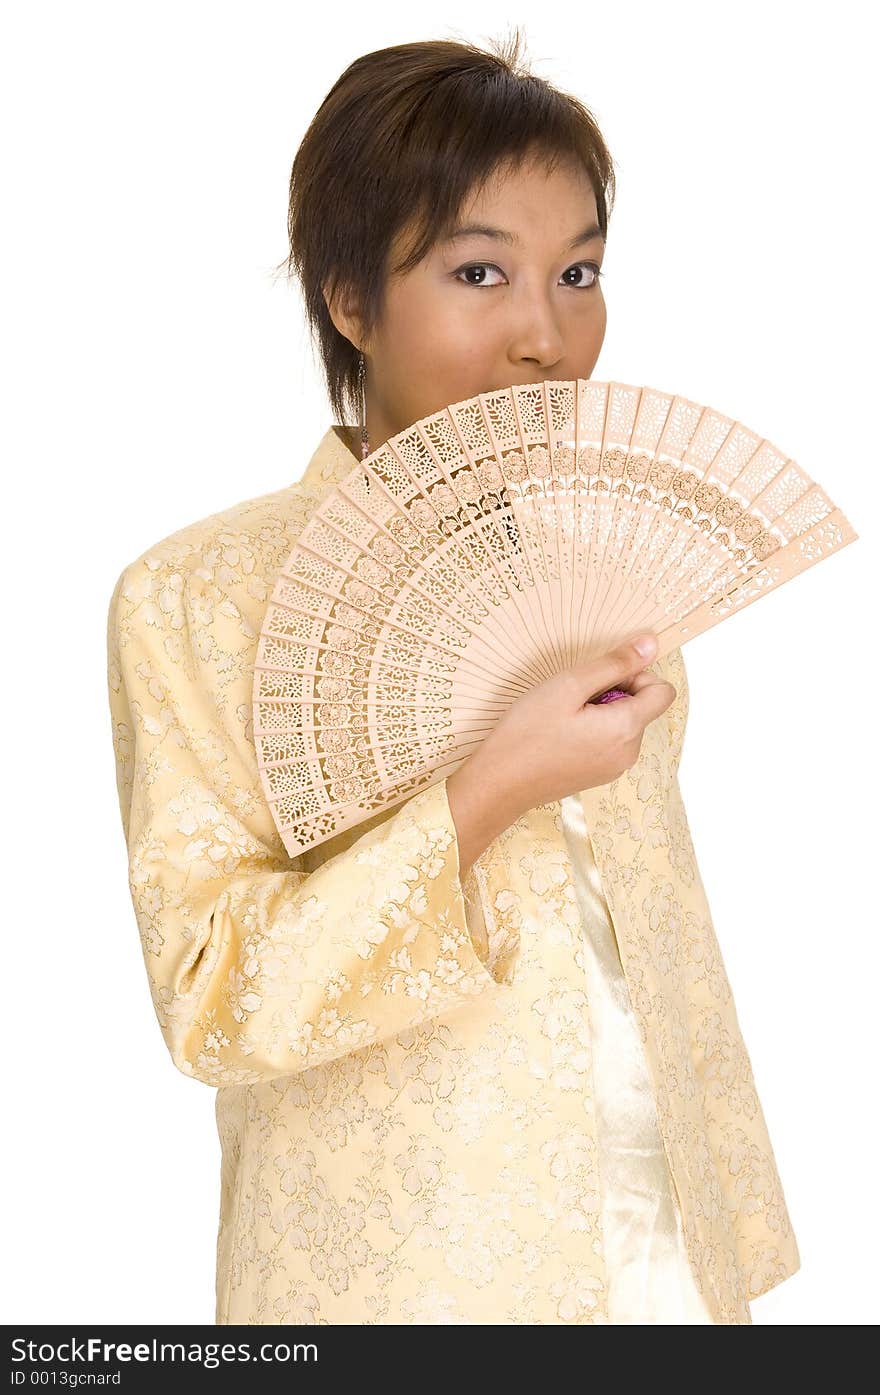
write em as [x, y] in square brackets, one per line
[554, 741]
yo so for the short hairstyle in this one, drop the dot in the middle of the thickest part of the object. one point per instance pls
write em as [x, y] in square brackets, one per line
[400, 142]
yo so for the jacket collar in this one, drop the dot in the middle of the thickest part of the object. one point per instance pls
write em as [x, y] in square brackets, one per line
[332, 461]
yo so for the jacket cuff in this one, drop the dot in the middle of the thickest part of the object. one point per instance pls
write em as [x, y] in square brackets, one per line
[495, 938]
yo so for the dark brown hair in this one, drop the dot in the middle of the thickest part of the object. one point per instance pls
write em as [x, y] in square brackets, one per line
[400, 142]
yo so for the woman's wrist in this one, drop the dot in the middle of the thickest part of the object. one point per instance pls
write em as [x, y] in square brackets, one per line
[481, 805]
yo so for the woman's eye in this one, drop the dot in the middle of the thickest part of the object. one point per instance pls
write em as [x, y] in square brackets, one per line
[588, 285]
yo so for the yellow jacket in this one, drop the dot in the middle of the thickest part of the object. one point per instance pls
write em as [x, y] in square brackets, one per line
[406, 1100]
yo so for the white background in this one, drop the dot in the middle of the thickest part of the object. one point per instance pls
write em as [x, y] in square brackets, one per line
[155, 371]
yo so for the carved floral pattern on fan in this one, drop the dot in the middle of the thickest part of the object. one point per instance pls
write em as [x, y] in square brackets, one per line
[491, 545]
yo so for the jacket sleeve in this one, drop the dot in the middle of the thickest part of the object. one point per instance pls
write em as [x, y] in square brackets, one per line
[257, 968]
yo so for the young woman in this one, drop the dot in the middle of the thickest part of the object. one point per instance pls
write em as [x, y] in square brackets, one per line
[477, 1060]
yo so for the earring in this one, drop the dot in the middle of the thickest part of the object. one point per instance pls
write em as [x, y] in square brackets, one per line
[365, 440]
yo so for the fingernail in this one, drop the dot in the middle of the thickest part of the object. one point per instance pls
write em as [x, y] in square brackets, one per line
[645, 645]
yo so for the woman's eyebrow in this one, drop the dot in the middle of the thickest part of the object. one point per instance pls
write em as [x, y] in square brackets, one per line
[502, 235]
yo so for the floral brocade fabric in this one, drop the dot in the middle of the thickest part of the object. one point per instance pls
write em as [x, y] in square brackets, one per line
[404, 1061]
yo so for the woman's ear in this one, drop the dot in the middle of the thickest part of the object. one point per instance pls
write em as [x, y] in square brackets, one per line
[343, 311]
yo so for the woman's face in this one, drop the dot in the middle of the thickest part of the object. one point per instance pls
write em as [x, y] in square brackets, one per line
[482, 312]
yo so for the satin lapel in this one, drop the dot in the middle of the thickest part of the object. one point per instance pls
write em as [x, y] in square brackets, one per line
[629, 830]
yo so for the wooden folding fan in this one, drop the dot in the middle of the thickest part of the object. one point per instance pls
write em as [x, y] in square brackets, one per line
[491, 545]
